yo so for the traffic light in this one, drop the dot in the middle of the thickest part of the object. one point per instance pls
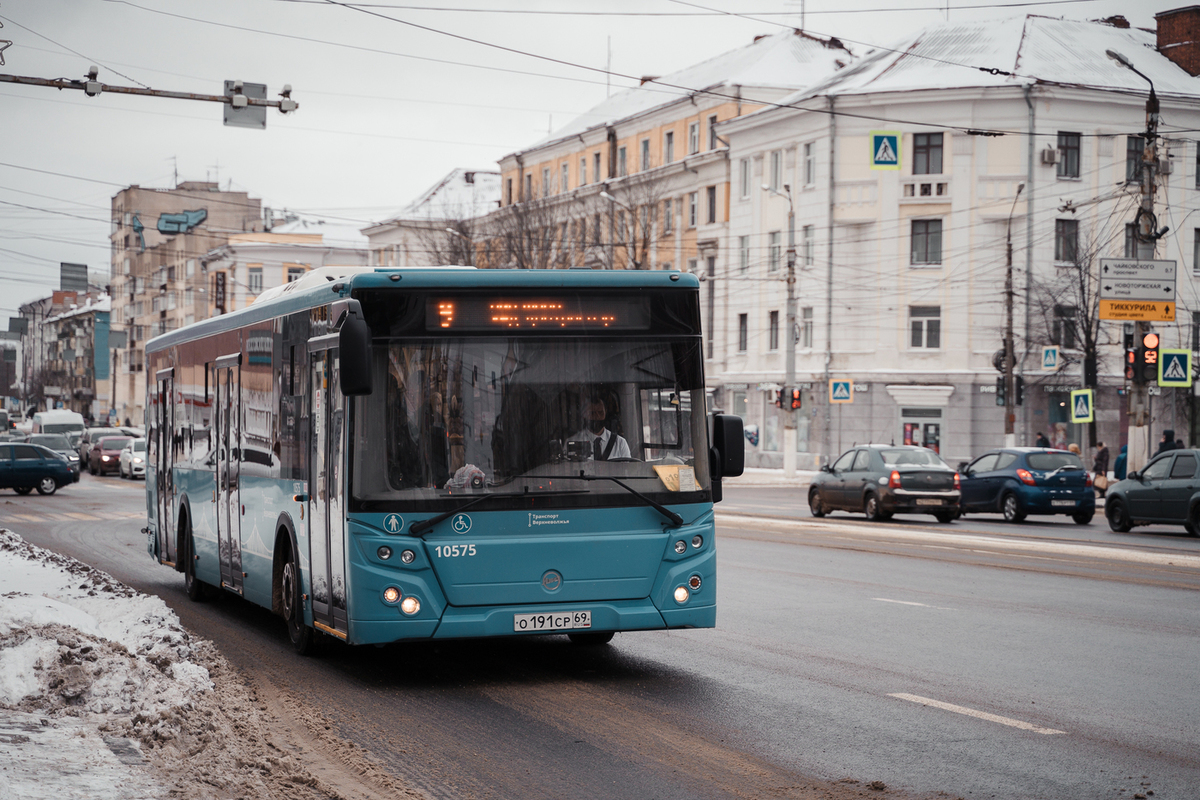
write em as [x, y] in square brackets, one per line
[780, 397]
[1146, 362]
[795, 399]
[1020, 390]
[1131, 367]
[1000, 393]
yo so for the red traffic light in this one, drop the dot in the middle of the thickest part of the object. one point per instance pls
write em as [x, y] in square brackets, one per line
[796, 400]
[1150, 341]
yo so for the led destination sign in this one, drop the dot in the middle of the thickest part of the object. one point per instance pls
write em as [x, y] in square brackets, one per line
[537, 314]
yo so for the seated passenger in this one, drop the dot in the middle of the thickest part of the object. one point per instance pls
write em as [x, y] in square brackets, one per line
[605, 443]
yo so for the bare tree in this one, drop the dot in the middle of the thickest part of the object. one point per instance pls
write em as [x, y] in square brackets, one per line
[636, 219]
[532, 234]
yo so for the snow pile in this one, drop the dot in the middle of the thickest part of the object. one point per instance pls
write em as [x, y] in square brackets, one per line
[104, 695]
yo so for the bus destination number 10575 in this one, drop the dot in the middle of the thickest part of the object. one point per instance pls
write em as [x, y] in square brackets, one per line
[563, 621]
[454, 550]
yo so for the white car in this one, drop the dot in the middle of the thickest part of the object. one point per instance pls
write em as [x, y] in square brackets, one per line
[132, 463]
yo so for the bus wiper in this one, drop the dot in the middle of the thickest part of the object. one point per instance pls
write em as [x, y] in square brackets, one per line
[676, 520]
[419, 528]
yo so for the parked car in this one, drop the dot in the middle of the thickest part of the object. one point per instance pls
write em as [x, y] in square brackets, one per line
[105, 452]
[1166, 491]
[25, 467]
[1018, 481]
[60, 444]
[132, 461]
[882, 480]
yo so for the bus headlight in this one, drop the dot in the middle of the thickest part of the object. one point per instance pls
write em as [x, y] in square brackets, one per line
[680, 547]
[697, 541]
[392, 595]
[681, 594]
[407, 556]
[410, 605]
[384, 552]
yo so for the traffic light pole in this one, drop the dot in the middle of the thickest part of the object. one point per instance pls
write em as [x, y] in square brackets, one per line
[789, 419]
[1010, 383]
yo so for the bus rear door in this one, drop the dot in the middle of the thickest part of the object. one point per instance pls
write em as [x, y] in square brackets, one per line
[163, 432]
[327, 513]
[227, 380]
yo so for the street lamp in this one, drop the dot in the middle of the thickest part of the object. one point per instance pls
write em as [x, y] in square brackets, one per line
[632, 219]
[789, 419]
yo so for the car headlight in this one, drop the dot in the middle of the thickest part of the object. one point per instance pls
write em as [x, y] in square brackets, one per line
[106, 458]
[138, 460]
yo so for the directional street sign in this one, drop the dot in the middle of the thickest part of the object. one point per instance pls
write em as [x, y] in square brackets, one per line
[1137, 290]
[1174, 367]
[1129, 310]
[1050, 358]
[1083, 405]
[841, 391]
[1131, 269]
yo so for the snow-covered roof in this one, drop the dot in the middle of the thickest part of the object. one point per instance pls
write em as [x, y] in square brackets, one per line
[787, 60]
[92, 305]
[334, 234]
[462, 194]
[1021, 49]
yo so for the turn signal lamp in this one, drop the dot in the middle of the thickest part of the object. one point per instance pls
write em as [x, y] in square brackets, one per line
[391, 595]
[1026, 477]
[894, 480]
[681, 594]
[694, 583]
[957, 482]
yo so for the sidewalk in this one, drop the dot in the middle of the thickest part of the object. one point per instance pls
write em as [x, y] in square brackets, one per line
[760, 476]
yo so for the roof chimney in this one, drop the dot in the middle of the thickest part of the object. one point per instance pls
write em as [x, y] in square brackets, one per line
[1179, 37]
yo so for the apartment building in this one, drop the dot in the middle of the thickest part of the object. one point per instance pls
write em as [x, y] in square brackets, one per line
[159, 238]
[906, 174]
[66, 363]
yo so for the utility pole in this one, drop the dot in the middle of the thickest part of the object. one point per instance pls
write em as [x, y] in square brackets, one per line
[789, 380]
[1010, 382]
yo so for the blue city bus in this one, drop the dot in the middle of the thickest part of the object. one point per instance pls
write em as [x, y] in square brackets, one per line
[388, 454]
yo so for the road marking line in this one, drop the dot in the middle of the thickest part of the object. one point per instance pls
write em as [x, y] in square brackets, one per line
[911, 603]
[970, 712]
[78, 515]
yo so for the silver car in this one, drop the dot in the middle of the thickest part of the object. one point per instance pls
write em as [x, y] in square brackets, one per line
[132, 461]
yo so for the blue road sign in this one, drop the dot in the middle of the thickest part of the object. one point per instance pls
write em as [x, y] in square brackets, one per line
[1083, 405]
[841, 391]
[1174, 367]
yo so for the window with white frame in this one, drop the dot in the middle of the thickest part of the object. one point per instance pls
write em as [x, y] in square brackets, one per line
[1135, 154]
[545, 181]
[692, 201]
[693, 138]
[295, 273]
[744, 253]
[807, 245]
[775, 179]
[253, 280]
[596, 168]
[743, 177]
[645, 155]
[1068, 155]
[710, 196]
[774, 245]
[621, 170]
[773, 330]
[669, 147]
[806, 327]
[528, 195]
[712, 132]
[1141, 250]
[925, 327]
[1066, 240]
[926, 242]
[743, 332]
[810, 164]
[563, 179]
[1063, 326]
[583, 172]
[927, 153]
[668, 216]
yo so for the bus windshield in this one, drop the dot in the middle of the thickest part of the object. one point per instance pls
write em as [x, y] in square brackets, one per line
[533, 414]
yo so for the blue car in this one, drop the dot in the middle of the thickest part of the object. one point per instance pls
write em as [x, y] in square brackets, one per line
[1019, 481]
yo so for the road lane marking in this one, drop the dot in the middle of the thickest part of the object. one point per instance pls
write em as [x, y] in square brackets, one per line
[852, 530]
[970, 712]
[78, 515]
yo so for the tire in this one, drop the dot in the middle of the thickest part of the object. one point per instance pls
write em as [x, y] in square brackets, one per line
[590, 639]
[194, 587]
[945, 517]
[815, 506]
[47, 485]
[1083, 517]
[871, 507]
[121, 473]
[1118, 517]
[293, 607]
[23, 489]
[1010, 507]
[1192, 526]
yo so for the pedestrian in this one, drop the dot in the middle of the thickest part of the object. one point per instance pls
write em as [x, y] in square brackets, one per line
[1167, 443]
[1042, 441]
[1119, 464]
[1100, 468]
[1074, 448]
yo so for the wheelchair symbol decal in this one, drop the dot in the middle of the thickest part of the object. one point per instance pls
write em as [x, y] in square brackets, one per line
[461, 523]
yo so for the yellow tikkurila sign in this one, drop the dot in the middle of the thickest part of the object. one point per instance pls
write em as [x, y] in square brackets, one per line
[1149, 310]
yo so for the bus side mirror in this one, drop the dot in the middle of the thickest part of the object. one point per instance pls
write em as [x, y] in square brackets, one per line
[730, 445]
[354, 351]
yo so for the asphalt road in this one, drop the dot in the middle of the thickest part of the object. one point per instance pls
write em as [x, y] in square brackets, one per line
[977, 659]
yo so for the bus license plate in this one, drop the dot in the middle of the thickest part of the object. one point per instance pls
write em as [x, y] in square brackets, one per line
[929, 501]
[1062, 502]
[562, 621]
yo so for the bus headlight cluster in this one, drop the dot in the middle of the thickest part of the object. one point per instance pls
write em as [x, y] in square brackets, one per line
[409, 605]
[384, 552]
[392, 595]
[681, 594]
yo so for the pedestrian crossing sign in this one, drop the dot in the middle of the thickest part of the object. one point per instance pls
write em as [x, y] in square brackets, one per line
[1174, 367]
[841, 391]
[1050, 358]
[1083, 406]
[885, 149]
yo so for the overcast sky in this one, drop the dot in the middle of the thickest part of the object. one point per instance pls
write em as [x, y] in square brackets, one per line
[387, 106]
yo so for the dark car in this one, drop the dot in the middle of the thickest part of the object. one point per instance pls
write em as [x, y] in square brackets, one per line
[60, 444]
[1166, 490]
[882, 480]
[25, 467]
[1019, 481]
[89, 437]
[105, 454]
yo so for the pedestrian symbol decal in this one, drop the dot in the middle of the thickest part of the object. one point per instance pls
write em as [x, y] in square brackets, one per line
[461, 523]
[393, 523]
[1174, 368]
[1050, 358]
[841, 392]
[1083, 405]
[885, 150]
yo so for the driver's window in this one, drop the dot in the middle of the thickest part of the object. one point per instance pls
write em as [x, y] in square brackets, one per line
[845, 461]
[1157, 470]
[862, 461]
[983, 464]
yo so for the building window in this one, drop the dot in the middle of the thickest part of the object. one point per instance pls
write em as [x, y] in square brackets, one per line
[775, 179]
[711, 197]
[744, 254]
[583, 172]
[927, 154]
[1135, 150]
[926, 241]
[773, 331]
[692, 209]
[808, 244]
[1066, 240]
[925, 325]
[528, 195]
[668, 216]
[669, 147]
[1198, 165]
[253, 280]
[621, 172]
[1142, 250]
[564, 179]
[295, 273]
[508, 191]
[1062, 331]
[1068, 155]
[645, 154]
[1195, 248]
[1195, 330]
[599, 234]
[712, 132]
[693, 138]
[806, 327]
[773, 250]
[810, 165]
[545, 181]
[744, 333]
[692, 265]
[596, 167]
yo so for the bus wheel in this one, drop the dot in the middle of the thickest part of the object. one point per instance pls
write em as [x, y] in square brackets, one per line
[293, 607]
[591, 639]
[191, 584]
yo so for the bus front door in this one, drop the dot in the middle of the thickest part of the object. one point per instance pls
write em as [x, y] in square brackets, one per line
[164, 483]
[228, 425]
[327, 513]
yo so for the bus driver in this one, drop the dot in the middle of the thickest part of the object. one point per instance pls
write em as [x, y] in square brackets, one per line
[605, 444]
